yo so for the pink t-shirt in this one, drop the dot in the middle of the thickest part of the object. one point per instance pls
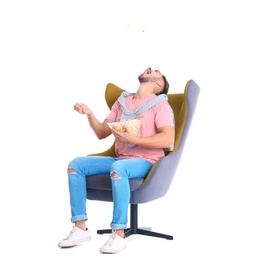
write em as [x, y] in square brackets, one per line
[158, 116]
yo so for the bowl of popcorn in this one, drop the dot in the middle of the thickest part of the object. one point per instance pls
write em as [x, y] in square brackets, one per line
[132, 125]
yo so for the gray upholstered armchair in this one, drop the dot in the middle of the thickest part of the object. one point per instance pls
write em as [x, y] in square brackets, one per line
[159, 179]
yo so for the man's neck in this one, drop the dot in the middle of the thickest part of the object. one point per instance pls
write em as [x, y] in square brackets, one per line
[144, 90]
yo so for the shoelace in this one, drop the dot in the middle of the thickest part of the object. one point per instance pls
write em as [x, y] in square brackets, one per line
[70, 234]
[112, 237]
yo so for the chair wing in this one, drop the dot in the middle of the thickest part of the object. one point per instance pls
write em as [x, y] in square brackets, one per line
[112, 93]
[184, 106]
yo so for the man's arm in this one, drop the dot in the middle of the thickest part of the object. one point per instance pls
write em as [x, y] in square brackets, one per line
[101, 130]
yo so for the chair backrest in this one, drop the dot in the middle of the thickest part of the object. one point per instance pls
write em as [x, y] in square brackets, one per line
[177, 101]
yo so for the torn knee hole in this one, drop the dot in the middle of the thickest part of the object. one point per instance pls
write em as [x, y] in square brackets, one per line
[71, 170]
[115, 175]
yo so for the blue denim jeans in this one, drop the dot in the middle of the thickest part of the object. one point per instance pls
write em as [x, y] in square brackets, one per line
[91, 165]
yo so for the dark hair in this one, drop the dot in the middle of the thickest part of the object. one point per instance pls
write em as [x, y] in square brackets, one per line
[166, 86]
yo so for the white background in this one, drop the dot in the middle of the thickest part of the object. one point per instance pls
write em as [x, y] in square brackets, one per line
[56, 53]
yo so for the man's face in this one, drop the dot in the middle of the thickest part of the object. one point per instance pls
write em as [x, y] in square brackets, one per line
[150, 75]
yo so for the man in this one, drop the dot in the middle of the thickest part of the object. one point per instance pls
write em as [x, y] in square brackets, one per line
[135, 154]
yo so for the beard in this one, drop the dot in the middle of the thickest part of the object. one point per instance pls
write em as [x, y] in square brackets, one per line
[143, 79]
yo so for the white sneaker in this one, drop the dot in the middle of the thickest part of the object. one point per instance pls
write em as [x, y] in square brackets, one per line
[115, 244]
[75, 237]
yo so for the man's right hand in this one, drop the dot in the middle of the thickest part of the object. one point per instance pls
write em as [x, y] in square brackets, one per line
[82, 109]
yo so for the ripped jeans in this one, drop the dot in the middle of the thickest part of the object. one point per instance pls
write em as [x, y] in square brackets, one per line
[125, 169]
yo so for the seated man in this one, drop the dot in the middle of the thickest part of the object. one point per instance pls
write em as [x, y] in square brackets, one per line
[135, 154]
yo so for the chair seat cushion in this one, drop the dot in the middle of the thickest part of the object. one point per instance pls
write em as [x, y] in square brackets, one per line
[103, 182]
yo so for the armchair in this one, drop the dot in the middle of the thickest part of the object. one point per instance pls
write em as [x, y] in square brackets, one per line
[157, 183]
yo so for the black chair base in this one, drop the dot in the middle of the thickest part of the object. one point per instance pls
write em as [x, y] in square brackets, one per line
[134, 227]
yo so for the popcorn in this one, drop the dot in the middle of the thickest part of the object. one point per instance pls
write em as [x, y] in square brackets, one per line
[133, 125]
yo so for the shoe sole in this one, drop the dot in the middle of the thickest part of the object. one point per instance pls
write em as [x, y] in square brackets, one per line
[62, 244]
[109, 251]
